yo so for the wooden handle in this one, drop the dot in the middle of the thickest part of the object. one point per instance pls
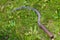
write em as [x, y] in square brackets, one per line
[45, 30]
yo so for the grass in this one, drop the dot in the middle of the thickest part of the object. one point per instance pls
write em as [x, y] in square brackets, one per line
[22, 25]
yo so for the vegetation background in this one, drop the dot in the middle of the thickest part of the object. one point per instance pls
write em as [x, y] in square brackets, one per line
[22, 25]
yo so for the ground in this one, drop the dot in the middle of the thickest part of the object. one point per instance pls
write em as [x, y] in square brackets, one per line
[22, 24]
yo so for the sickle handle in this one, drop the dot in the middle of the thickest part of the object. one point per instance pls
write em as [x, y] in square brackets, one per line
[47, 31]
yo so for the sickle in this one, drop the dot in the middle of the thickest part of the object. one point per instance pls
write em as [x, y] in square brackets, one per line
[38, 14]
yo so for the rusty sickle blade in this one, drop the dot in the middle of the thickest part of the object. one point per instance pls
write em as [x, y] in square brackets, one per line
[38, 14]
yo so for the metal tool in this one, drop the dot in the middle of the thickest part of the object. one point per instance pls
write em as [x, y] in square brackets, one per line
[38, 14]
